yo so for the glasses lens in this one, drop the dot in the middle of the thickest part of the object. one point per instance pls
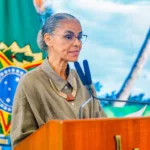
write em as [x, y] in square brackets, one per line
[83, 38]
[71, 38]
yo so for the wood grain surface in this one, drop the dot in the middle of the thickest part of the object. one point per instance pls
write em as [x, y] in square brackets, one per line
[90, 134]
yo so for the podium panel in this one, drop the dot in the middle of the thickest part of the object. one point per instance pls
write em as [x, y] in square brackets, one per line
[91, 134]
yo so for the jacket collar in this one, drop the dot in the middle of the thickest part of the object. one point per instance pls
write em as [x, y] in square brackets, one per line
[58, 81]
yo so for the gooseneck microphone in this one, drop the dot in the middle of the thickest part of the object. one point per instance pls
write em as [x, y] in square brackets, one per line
[80, 73]
[86, 79]
[85, 76]
[87, 72]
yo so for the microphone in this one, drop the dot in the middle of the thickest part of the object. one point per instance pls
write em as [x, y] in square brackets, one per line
[85, 78]
[87, 81]
[80, 73]
[87, 72]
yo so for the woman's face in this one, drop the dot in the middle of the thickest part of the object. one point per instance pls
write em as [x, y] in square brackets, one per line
[65, 42]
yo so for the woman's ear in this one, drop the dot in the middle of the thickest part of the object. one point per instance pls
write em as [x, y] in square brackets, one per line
[47, 39]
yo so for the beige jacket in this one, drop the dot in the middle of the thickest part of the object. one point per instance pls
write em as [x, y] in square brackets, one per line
[36, 102]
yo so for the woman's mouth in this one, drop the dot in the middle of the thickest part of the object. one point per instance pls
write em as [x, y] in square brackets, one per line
[74, 53]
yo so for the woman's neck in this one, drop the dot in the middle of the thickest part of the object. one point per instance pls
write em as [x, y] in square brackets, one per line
[59, 66]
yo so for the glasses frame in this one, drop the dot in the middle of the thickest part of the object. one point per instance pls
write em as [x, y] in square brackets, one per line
[75, 37]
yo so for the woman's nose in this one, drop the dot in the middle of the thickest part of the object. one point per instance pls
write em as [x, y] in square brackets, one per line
[77, 42]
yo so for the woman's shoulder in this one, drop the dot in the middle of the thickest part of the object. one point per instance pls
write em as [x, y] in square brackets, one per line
[31, 76]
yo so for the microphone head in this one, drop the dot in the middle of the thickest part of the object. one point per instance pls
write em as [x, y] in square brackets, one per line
[80, 72]
[87, 72]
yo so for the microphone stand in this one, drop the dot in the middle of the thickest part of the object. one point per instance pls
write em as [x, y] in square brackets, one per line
[103, 99]
[82, 106]
[111, 100]
[86, 102]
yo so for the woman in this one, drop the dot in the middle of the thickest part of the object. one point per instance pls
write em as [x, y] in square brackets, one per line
[52, 90]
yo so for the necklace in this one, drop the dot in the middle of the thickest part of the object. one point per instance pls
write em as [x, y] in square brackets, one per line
[68, 97]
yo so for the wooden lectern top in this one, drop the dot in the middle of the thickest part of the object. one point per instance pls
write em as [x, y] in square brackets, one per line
[91, 134]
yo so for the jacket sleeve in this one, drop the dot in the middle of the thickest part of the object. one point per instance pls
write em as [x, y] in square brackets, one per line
[98, 111]
[23, 120]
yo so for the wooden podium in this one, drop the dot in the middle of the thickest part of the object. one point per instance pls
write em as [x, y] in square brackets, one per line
[91, 134]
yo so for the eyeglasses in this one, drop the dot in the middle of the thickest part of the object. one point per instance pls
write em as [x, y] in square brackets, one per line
[70, 38]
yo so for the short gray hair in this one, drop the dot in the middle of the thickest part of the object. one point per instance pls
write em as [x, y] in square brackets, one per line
[49, 27]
